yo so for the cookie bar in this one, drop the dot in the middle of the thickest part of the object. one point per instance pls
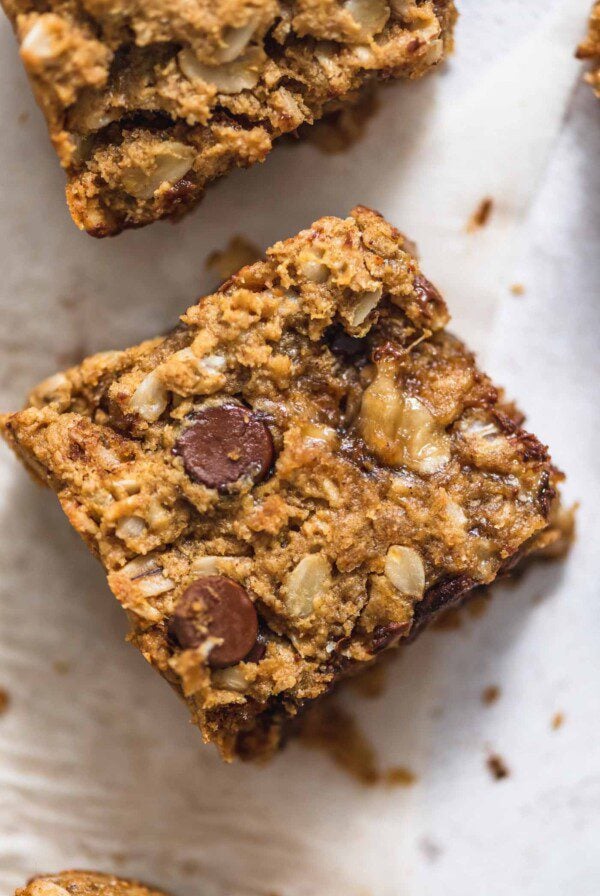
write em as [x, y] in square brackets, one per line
[299, 476]
[590, 48]
[84, 883]
[147, 103]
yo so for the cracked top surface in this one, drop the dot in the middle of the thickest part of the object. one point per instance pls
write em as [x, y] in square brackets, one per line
[590, 49]
[148, 102]
[295, 478]
[85, 883]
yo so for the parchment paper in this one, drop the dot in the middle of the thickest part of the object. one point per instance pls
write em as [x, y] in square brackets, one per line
[98, 765]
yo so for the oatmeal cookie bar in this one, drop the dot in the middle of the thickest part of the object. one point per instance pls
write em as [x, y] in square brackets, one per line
[147, 102]
[590, 48]
[84, 883]
[299, 476]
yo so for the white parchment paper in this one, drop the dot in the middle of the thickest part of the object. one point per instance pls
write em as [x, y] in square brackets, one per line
[98, 765]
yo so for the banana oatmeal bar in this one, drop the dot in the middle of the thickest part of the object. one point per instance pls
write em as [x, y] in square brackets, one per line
[298, 477]
[146, 103]
[590, 48]
[85, 883]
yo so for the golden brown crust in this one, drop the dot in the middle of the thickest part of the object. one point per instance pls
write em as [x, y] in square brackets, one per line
[590, 49]
[148, 102]
[400, 479]
[85, 883]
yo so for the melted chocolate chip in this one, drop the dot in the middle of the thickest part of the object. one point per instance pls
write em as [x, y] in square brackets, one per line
[425, 290]
[340, 343]
[386, 635]
[216, 607]
[224, 443]
[444, 594]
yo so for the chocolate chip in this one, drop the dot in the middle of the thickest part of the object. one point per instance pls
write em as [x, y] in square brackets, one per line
[259, 649]
[425, 290]
[386, 635]
[216, 607]
[225, 443]
[341, 343]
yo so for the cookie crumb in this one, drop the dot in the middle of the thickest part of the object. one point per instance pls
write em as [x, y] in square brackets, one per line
[4, 701]
[61, 667]
[399, 776]
[238, 253]
[481, 215]
[517, 289]
[557, 720]
[497, 767]
[490, 694]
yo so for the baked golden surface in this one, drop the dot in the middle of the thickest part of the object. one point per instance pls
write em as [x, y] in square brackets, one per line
[147, 102]
[299, 476]
[84, 883]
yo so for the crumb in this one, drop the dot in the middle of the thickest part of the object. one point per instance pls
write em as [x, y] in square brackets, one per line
[340, 130]
[371, 683]
[399, 776]
[430, 849]
[238, 253]
[497, 767]
[481, 215]
[517, 289]
[61, 667]
[557, 721]
[4, 701]
[119, 857]
[326, 726]
[490, 694]
[23, 117]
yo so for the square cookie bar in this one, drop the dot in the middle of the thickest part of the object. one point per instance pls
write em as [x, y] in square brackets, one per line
[84, 883]
[590, 48]
[147, 102]
[298, 477]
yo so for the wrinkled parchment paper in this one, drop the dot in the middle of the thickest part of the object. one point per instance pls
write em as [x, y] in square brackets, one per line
[98, 765]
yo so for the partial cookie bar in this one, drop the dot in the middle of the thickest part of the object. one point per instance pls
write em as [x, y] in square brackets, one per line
[301, 475]
[85, 883]
[590, 49]
[147, 103]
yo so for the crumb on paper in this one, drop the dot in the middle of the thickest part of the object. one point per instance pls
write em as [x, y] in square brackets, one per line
[61, 667]
[497, 767]
[557, 721]
[4, 701]
[370, 683]
[341, 129]
[327, 727]
[490, 694]
[481, 215]
[517, 289]
[23, 117]
[398, 776]
[238, 253]
[430, 849]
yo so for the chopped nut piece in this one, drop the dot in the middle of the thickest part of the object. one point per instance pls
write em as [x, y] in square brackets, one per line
[150, 398]
[168, 164]
[305, 583]
[242, 73]
[404, 568]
